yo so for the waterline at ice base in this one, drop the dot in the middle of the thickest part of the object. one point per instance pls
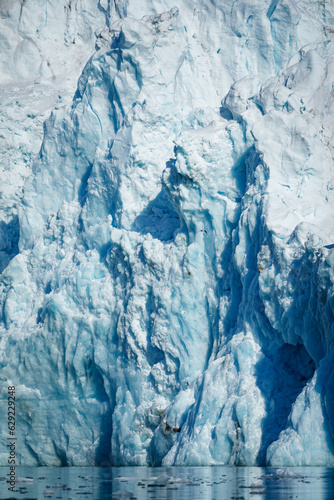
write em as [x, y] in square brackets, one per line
[167, 232]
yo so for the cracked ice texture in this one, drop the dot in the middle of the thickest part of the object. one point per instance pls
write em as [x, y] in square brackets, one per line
[167, 291]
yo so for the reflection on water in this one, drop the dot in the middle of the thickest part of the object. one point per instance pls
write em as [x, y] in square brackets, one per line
[170, 483]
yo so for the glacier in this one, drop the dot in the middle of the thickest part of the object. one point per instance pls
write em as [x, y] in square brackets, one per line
[166, 231]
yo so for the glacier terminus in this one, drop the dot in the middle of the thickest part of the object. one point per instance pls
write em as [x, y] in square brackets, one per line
[167, 231]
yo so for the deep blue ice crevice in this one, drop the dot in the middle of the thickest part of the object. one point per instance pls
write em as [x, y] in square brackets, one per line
[159, 219]
[9, 238]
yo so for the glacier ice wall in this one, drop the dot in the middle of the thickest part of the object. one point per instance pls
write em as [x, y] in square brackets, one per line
[43, 46]
[167, 268]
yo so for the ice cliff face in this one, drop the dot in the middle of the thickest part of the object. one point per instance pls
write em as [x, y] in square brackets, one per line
[167, 270]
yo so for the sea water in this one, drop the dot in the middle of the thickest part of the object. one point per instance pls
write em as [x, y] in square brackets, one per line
[181, 483]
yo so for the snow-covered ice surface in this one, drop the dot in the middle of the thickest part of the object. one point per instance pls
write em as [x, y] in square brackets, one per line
[167, 235]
